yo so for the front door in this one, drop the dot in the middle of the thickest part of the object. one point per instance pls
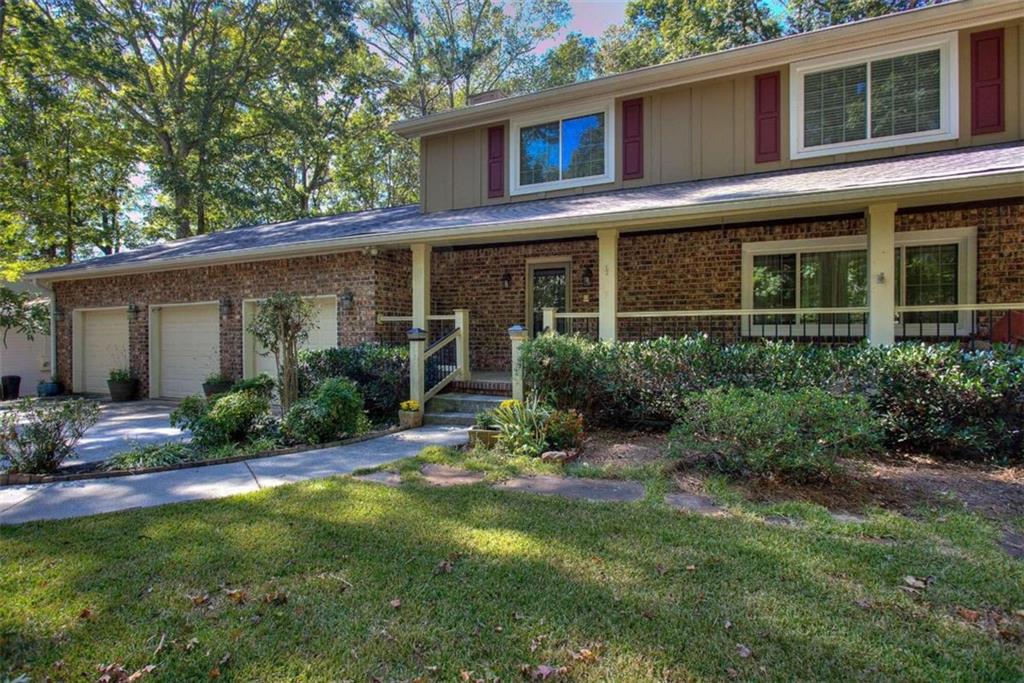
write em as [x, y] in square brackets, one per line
[549, 288]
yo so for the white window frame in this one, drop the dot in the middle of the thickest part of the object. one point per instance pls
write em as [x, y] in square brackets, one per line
[606, 107]
[949, 115]
[965, 238]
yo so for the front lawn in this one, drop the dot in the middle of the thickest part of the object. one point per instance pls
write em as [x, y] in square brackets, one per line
[341, 579]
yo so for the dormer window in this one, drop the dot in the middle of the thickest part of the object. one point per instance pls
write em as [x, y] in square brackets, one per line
[563, 150]
[903, 94]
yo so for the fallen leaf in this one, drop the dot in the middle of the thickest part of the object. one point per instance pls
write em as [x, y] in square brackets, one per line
[691, 567]
[275, 598]
[542, 672]
[237, 596]
[466, 675]
[160, 645]
[191, 644]
[727, 624]
[661, 569]
[499, 629]
[584, 656]
[863, 603]
[140, 673]
[85, 614]
[396, 603]
[914, 582]
[199, 600]
[968, 614]
[743, 651]
[443, 567]
[732, 673]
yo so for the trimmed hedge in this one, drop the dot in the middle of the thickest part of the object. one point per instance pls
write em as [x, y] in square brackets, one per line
[380, 372]
[931, 398]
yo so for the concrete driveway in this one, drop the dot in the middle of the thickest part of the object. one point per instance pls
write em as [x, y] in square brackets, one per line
[123, 425]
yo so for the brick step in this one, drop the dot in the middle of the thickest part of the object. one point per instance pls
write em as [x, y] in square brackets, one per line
[482, 386]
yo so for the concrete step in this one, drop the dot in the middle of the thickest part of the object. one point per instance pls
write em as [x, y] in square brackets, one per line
[463, 403]
[453, 419]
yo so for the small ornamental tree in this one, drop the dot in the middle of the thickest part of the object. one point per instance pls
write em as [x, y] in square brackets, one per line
[18, 312]
[281, 325]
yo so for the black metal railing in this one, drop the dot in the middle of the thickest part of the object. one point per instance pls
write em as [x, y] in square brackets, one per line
[442, 358]
[974, 327]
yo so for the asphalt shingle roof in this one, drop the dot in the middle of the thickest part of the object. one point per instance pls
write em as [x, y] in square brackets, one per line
[396, 223]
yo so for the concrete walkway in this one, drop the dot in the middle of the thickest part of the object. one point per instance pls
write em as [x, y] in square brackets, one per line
[88, 497]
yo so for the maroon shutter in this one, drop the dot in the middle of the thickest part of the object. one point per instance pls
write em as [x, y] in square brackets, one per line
[633, 139]
[496, 161]
[767, 117]
[987, 90]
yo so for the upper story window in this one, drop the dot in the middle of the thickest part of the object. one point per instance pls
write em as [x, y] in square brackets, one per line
[875, 98]
[563, 150]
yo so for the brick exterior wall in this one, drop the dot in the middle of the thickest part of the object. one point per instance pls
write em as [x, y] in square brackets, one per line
[684, 269]
[308, 276]
[471, 278]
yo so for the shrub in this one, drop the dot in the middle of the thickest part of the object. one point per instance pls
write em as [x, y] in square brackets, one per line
[564, 430]
[380, 372]
[485, 420]
[234, 417]
[151, 455]
[261, 385]
[795, 435]
[333, 411]
[121, 375]
[522, 426]
[935, 398]
[37, 436]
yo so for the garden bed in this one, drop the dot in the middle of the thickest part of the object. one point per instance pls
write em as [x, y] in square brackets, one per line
[94, 470]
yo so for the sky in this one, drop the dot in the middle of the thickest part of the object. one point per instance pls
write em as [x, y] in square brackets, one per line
[591, 18]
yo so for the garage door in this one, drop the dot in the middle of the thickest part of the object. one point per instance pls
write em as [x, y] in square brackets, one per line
[104, 347]
[189, 348]
[323, 336]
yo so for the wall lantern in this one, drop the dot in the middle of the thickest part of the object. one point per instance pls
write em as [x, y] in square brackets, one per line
[346, 300]
[506, 281]
[588, 276]
[133, 310]
[225, 306]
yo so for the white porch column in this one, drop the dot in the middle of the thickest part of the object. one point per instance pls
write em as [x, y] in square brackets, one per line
[517, 335]
[550, 321]
[607, 282]
[881, 228]
[417, 366]
[462, 343]
[420, 285]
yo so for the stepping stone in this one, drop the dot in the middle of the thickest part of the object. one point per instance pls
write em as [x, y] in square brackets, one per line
[690, 502]
[595, 490]
[382, 477]
[1013, 543]
[849, 517]
[443, 475]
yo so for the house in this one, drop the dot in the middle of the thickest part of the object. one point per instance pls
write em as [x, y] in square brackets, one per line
[865, 180]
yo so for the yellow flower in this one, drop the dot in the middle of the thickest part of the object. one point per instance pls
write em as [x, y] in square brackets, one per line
[510, 403]
[410, 405]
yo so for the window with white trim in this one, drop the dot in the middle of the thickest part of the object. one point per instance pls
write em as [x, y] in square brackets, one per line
[875, 98]
[932, 267]
[568, 149]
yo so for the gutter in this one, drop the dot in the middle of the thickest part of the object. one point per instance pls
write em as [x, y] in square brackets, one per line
[956, 15]
[1012, 181]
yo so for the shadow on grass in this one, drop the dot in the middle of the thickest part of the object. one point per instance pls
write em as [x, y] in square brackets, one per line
[531, 580]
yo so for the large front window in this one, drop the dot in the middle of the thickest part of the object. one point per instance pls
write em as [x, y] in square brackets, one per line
[876, 98]
[931, 268]
[562, 152]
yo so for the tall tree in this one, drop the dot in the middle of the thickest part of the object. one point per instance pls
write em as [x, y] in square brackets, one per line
[180, 70]
[571, 61]
[807, 15]
[442, 52]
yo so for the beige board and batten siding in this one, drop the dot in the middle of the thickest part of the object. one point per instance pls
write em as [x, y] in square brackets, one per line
[706, 130]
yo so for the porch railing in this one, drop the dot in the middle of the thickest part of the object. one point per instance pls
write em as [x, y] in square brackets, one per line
[436, 357]
[972, 324]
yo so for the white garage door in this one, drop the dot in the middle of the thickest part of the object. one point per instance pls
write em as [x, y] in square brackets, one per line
[189, 348]
[104, 347]
[323, 336]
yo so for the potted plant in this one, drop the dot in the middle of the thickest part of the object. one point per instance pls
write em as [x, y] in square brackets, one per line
[410, 415]
[48, 388]
[485, 432]
[123, 384]
[25, 316]
[217, 383]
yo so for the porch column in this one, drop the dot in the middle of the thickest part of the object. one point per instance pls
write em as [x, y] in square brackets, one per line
[420, 285]
[881, 228]
[462, 343]
[608, 282]
[517, 335]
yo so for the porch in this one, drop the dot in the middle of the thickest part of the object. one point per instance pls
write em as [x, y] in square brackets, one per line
[934, 273]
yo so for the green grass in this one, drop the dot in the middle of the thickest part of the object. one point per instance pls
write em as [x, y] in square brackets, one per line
[532, 580]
